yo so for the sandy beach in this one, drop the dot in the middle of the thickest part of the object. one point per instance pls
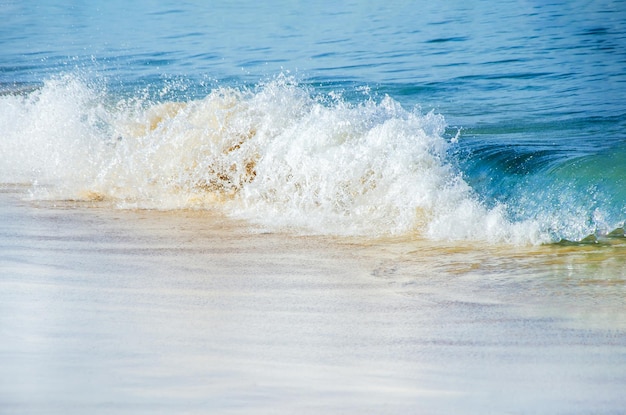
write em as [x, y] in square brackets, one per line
[118, 311]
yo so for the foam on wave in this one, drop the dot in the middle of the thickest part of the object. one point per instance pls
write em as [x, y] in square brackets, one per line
[276, 154]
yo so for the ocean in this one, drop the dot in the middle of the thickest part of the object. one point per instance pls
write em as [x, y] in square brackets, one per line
[336, 207]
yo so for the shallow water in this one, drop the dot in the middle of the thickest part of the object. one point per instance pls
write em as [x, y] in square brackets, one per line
[145, 311]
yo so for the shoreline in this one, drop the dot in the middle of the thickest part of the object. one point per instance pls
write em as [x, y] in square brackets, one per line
[112, 311]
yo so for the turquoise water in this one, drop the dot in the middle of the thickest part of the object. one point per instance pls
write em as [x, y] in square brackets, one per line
[513, 111]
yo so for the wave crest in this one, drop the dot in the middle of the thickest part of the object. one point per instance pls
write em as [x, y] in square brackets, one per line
[276, 155]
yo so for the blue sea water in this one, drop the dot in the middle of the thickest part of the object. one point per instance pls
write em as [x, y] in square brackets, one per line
[499, 121]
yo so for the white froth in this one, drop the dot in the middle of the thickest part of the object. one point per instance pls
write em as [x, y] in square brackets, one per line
[277, 156]
[50, 137]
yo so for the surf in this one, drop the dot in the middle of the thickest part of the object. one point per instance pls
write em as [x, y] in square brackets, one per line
[278, 154]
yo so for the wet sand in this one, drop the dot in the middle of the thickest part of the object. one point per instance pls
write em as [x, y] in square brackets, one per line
[108, 311]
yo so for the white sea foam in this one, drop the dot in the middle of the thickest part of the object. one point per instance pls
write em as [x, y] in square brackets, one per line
[48, 136]
[276, 155]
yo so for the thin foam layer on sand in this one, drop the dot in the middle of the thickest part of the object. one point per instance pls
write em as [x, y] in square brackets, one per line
[121, 311]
